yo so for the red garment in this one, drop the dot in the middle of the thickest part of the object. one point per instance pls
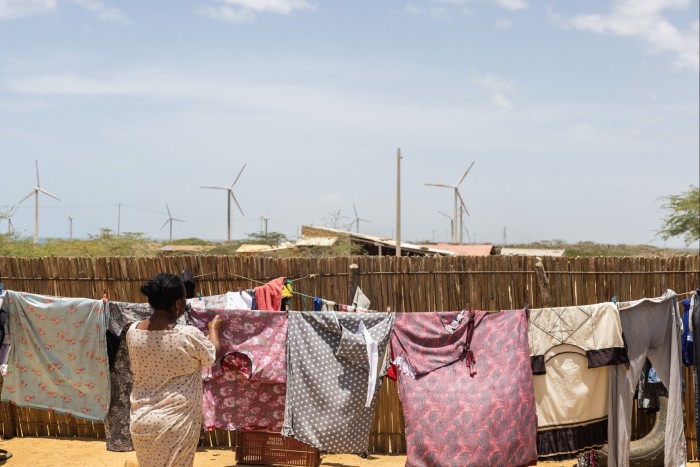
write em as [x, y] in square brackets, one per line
[469, 401]
[392, 372]
[269, 296]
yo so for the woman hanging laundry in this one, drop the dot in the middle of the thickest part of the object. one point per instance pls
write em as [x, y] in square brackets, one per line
[166, 359]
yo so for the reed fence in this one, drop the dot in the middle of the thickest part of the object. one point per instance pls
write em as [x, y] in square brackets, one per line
[410, 284]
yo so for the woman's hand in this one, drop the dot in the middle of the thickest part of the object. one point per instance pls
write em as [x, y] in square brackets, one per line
[215, 324]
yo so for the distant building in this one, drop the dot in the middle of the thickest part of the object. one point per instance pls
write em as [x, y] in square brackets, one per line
[375, 246]
[250, 249]
[459, 249]
[531, 252]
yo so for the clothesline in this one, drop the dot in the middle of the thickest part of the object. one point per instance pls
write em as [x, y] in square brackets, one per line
[304, 295]
[263, 283]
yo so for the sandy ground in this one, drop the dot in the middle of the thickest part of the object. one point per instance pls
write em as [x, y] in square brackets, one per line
[52, 452]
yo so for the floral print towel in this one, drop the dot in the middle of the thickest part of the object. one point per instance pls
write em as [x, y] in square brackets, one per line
[247, 387]
[58, 359]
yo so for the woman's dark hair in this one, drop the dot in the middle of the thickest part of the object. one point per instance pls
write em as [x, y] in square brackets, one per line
[163, 290]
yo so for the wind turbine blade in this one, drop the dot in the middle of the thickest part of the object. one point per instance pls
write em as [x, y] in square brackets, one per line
[215, 187]
[353, 206]
[239, 175]
[461, 200]
[352, 223]
[178, 220]
[48, 194]
[168, 208]
[37, 172]
[236, 201]
[30, 194]
[164, 224]
[438, 184]
[448, 216]
[465, 173]
[364, 220]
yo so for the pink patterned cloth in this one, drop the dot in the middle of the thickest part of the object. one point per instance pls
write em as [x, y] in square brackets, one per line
[466, 388]
[247, 388]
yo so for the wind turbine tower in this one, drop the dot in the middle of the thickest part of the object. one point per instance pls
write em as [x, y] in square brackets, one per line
[452, 221]
[229, 196]
[170, 220]
[35, 192]
[458, 200]
[357, 220]
[70, 223]
[10, 227]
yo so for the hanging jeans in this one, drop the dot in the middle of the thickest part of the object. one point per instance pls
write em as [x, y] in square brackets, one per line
[652, 330]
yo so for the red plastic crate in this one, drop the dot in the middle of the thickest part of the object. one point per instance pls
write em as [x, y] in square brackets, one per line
[267, 448]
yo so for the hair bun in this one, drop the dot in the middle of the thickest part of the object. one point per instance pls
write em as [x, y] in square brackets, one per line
[147, 289]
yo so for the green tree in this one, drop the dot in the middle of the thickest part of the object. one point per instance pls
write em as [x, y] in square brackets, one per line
[269, 238]
[683, 216]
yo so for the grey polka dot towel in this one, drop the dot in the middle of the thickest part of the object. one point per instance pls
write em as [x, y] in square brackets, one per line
[327, 377]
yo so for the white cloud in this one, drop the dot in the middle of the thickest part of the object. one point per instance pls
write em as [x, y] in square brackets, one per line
[435, 12]
[512, 4]
[102, 11]
[11, 9]
[501, 89]
[447, 8]
[503, 24]
[241, 11]
[644, 20]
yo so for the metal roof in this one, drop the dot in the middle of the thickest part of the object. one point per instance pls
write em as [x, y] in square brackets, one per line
[323, 232]
[531, 252]
[316, 241]
[468, 249]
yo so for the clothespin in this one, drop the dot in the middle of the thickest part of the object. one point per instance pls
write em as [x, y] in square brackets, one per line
[105, 297]
[199, 295]
[614, 299]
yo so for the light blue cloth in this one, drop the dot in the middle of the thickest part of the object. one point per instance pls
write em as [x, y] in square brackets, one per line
[58, 359]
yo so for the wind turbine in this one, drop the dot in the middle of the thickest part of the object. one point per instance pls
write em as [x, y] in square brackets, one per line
[70, 222]
[35, 192]
[452, 221]
[10, 227]
[263, 220]
[458, 200]
[357, 220]
[170, 219]
[229, 196]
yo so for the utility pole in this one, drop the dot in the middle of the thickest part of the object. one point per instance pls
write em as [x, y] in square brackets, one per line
[398, 202]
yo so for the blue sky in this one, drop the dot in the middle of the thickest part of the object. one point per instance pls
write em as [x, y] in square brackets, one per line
[579, 115]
